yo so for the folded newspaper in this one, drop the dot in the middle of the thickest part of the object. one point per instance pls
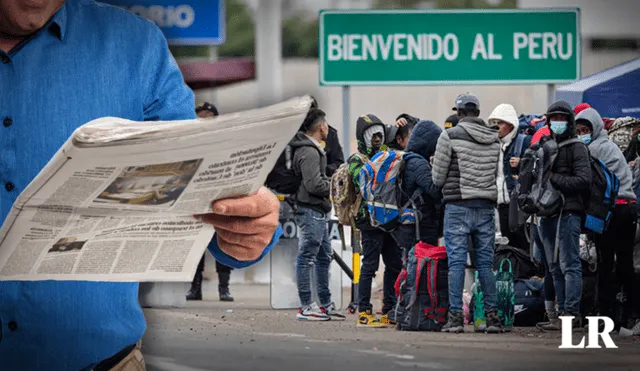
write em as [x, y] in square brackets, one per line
[116, 202]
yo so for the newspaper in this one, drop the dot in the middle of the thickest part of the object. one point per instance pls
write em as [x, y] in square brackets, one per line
[117, 201]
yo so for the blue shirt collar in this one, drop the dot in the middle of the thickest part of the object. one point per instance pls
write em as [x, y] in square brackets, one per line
[58, 23]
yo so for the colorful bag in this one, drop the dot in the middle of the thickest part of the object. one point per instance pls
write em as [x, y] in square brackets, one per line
[345, 197]
[505, 295]
[380, 185]
[422, 290]
[477, 306]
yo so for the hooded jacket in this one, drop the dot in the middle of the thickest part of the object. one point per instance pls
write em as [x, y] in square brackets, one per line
[357, 161]
[572, 167]
[605, 150]
[417, 175]
[506, 181]
[466, 162]
[333, 149]
[310, 163]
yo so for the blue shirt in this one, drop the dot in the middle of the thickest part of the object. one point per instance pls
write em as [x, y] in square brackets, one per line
[91, 60]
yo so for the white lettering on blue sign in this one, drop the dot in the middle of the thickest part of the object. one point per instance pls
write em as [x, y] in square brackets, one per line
[181, 16]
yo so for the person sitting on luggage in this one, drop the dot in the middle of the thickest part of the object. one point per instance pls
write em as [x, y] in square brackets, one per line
[512, 146]
[615, 245]
[465, 165]
[417, 176]
[571, 176]
[370, 133]
[309, 163]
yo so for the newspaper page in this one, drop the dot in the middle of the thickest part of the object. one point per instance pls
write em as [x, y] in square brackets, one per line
[117, 201]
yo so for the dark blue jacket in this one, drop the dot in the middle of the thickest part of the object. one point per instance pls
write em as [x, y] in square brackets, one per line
[417, 175]
[509, 173]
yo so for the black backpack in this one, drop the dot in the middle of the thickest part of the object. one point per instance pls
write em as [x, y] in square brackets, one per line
[282, 179]
[520, 260]
[535, 193]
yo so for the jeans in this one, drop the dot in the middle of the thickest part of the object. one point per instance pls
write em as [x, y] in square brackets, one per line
[618, 240]
[549, 290]
[314, 249]
[567, 269]
[375, 243]
[460, 223]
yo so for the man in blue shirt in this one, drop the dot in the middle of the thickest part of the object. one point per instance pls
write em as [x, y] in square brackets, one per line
[62, 64]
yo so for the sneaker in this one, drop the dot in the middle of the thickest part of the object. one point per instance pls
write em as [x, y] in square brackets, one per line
[455, 323]
[330, 310]
[312, 313]
[494, 324]
[551, 315]
[369, 320]
[385, 319]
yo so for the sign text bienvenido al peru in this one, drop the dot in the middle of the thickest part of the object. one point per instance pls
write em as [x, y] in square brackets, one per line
[431, 47]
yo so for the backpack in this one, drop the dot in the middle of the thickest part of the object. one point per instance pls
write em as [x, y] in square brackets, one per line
[345, 197]
[422, 290]
[603, 195]
[282, 178]
[381, 188]
[535, 193]
[521, 264]
[528, 302]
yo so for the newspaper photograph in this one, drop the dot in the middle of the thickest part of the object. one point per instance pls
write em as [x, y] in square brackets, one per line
[117, 202]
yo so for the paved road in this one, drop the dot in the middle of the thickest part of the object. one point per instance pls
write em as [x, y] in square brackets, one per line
[247, 336]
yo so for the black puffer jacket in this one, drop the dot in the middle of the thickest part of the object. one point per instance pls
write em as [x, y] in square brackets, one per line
[572, 168]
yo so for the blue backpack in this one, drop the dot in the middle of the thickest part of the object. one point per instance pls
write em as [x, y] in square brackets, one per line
[381, 189]
[603, 196]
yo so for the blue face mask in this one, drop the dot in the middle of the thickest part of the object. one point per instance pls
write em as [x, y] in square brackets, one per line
[586, 138]
[558, 127]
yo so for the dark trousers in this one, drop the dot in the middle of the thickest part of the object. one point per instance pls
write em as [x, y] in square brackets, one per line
[376, 243]
[220, 268]
[615, 254]
[516, 239]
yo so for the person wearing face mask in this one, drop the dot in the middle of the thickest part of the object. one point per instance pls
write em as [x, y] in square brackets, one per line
[512, 145]
[370, 133]
[310, 163]
[571, 175]
[615, 245]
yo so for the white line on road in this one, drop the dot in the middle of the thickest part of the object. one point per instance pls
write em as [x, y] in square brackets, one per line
[281, 334]
[429, 365]
[386, 354]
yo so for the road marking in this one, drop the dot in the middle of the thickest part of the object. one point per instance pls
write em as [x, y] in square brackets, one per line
[429, 365]
[167, 364]
[386, 354]
[281, 334]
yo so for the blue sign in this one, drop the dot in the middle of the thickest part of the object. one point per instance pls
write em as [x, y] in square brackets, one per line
[183, 22]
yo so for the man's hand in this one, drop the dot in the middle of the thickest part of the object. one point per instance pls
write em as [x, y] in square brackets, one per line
[514, 161]
[245, 226]
[401, 122]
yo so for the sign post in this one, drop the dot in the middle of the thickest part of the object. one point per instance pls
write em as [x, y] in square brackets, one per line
[182, 22]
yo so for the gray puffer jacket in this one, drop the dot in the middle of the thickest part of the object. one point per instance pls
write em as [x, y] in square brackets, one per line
[608, 152]
[310, 163]
[466, 162]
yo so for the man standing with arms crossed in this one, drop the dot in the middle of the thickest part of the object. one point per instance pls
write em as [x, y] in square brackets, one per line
[83, 60]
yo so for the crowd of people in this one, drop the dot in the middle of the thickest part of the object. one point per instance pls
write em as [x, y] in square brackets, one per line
[466, 175]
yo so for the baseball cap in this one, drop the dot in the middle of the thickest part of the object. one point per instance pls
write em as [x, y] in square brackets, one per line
[206, 106]
[451, 121]
[462, 100]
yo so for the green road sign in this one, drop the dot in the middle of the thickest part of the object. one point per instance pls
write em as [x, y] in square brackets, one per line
[444, 47]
